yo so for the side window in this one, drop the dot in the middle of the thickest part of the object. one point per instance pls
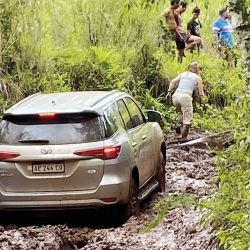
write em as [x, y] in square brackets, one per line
[135, 112]
[112, 120]
[124, 114]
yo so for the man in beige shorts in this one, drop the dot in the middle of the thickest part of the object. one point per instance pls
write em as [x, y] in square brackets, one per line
[188, 83]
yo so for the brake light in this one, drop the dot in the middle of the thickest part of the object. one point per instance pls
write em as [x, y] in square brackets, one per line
[8, 155]
[112, 152]
[105, 153]
[47, 115]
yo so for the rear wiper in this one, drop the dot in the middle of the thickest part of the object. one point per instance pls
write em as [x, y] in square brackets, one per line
[34, 141]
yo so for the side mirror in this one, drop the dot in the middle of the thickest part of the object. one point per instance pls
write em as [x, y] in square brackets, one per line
[154, 116]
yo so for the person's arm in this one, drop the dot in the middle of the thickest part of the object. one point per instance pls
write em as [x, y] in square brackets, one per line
[165, 12]
[173, 83]
[216, 37]
[200, 87]
[216, 31]
[189, 28]
[200, 24]
[172, 86]
[202, 99]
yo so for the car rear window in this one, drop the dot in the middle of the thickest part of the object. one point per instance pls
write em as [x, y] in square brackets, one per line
[57, 129]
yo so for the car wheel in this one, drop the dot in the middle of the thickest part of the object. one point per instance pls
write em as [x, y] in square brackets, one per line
[160, 176]
[132, 208]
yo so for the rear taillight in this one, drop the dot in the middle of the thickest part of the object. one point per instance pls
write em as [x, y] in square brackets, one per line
[112, 152]
[105, 153]
[8, 155]
[48, 115]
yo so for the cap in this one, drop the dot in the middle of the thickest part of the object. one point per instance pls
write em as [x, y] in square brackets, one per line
[194, 65]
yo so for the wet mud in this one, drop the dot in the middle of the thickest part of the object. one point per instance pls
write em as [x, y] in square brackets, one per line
[189, 170]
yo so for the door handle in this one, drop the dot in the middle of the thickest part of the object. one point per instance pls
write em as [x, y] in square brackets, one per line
[144, 137]
[134, 144]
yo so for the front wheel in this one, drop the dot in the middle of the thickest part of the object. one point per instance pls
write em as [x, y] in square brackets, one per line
[161, 173]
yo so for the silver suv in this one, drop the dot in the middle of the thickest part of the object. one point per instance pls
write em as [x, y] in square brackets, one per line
[80, 149]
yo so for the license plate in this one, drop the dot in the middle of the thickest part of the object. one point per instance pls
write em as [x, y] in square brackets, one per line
[43, 168]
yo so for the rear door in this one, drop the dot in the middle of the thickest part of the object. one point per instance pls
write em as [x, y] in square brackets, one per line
[146, 134]
[46, 146]
[137, 141]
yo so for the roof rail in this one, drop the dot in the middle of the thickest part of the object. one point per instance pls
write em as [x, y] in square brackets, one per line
[107, 95]
[24, 100]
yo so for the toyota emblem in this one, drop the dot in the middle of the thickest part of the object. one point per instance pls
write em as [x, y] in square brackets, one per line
[46, 151]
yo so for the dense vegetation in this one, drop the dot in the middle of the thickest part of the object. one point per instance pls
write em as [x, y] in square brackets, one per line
[65, 45]
[229, 209]
[79, 45]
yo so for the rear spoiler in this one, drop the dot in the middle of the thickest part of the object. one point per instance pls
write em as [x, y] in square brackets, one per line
[49, 117]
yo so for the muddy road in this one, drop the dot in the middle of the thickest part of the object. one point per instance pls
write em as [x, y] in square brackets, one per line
[190, 178]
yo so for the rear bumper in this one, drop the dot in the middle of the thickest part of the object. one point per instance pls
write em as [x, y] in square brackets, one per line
[104, 195]
[111, 188]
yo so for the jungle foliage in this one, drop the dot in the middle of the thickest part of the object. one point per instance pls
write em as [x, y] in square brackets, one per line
[229, 208]
[66, 45]
[83, 45]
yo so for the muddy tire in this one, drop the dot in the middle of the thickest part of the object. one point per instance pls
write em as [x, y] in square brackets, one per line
[132, 208]
[161, 174]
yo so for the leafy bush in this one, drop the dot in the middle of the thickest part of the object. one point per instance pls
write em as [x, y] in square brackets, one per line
[229, 208]
[168, 202]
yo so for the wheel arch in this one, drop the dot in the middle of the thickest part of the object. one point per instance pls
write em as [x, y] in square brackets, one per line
[135, 175]
[163, 149]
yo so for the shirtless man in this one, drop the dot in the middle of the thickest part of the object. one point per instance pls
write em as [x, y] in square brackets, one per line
[169, 15]
[172, 24]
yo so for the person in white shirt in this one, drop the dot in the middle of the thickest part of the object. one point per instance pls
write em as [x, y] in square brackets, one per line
[188, 83]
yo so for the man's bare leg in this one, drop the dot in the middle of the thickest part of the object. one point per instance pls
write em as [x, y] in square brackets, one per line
[193, 41]
[191, 45]
[181, 54]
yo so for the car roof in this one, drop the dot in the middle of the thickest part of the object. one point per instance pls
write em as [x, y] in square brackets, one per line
[64, 102]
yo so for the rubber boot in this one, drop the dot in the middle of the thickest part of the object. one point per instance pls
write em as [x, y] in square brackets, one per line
[177, 128]
[184, 131]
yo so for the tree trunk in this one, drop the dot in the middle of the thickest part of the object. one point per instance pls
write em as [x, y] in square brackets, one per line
[241, 22]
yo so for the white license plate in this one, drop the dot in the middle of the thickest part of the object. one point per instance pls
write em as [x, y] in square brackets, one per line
[41, 168]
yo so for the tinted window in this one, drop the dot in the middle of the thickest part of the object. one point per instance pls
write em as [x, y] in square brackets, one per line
[124, 114]
[112, 120]
[63, 129]
[135, 112]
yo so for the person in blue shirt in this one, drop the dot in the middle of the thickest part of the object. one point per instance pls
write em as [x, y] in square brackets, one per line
[223, 30]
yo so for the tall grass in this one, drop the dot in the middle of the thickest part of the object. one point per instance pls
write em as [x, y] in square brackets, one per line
[80, 44]
[46, 27]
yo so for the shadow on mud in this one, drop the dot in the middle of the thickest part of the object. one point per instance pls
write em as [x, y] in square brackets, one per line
[93, 218]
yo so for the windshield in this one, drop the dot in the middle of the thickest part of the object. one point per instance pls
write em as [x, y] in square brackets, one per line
[61, 129]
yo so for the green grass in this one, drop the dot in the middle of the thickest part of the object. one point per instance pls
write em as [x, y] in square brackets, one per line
[164, 205]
